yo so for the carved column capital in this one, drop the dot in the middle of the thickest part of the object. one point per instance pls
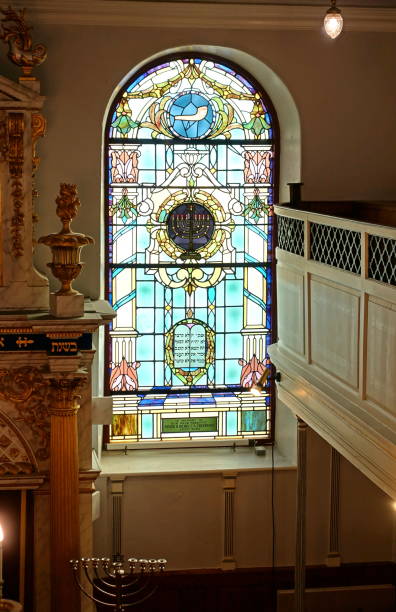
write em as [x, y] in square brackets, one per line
[64, 393]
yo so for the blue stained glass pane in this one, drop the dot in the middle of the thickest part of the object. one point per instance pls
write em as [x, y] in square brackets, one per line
[146, 374]
[145, 320]
[220, 320]
[211, 294]
[219, 346]
[159, 373]
[147, 157]
[191, 115]
[159, 347]
[232, 423]
[143, 238]
[201, 297]
[232, 372]
[234, 319]
[144, 348]
[159, 320]
[147, 176]
[147, 425]
[238, 237]
[234, 345]
[234, 293]
[145, 294]
[179, 298]
[159, 295]
[220, 294]
[201, 314]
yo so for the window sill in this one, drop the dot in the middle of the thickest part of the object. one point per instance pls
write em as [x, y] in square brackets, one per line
[182, 461]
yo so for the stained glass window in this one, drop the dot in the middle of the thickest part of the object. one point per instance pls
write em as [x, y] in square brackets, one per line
[190, 179]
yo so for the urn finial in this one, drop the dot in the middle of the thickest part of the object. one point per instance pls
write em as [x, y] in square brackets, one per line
[66, 245]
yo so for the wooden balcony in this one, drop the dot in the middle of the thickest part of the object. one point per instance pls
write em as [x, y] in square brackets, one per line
[336, 349]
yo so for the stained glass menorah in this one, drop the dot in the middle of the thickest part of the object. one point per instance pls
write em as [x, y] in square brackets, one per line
[191, 227]
[117, 588]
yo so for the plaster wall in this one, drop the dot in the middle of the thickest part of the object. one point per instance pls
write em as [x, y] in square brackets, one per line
[180, 516]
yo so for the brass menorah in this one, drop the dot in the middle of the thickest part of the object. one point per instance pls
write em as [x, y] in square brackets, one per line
[191, 227]
[122, 589]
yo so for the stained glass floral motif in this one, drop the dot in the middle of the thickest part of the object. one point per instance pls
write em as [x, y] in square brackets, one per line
[190, 188]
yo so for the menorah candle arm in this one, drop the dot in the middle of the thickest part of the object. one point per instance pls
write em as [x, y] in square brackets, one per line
[103, 581]
[80, 586]
[139, 601]
[95, 586]
[135, 581]
[140, 589]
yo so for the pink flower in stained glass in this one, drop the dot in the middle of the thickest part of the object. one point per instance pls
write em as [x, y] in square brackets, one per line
[251, 371]
[124, 376]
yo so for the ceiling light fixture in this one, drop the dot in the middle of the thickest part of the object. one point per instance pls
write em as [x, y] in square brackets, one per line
[333, 21]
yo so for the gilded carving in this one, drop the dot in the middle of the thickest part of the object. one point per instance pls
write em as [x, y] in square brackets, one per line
[64, 394]
[3, 140]
[16, 126]
[27, 390]
[16, 33]
[39, 125]
[16, 457]
[66, 245]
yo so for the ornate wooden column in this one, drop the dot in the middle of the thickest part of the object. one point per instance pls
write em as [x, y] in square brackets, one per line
[299, 577]
[64, 488]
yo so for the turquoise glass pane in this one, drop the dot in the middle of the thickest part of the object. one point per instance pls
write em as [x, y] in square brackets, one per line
[179, 298]
[234, 319]
[146, 374]
[219, 344]
[232, 372]
[232, 423]
[147, 157]
[144, 348]
[145, 294]
[159, 320]
[147, 425]
[201, 298]
[201, 314]
[234, 293]
[234, 345]
[159, 347]
[220, 319]
[254, 420]
[220, 294]
[145, 320]
[159, 373]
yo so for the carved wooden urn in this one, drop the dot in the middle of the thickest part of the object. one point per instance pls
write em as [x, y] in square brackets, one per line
[66, 245]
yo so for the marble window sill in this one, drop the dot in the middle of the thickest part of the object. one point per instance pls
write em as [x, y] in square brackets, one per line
[189, 461]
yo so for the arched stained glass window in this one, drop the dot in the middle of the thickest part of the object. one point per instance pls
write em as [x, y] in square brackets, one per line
[190, 180]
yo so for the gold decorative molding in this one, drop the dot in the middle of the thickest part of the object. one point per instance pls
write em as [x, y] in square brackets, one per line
[64, 394]
[16, 330]
[16, 33]
[66, 245]
[16, 126]
[39, 125]
[27, 390]
[69, 335]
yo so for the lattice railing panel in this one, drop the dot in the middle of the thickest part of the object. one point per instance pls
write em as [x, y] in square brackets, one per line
[336, 246]
[291, 235]
[382, 259]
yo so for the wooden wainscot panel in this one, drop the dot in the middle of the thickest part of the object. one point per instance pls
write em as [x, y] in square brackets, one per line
[381, 354]
[334, 329]
[290, 287]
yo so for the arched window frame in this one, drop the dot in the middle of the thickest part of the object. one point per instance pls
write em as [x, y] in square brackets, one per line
[275, 194]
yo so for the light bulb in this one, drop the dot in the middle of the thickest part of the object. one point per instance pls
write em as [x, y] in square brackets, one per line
[333, 21]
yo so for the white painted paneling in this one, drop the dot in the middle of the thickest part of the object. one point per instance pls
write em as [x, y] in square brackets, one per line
[335, 330]
[381, 354]
[290, 285]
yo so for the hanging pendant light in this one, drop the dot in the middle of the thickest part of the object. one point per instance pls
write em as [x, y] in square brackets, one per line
[333, 21]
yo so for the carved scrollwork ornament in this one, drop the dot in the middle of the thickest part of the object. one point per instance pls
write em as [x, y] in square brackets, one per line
[16, 33]
[65, 394]
[27, 390]
[15, 128]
